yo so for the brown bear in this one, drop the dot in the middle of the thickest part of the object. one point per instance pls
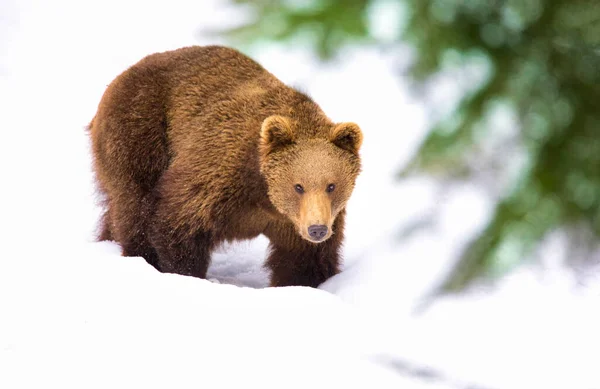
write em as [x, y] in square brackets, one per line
[201, 145]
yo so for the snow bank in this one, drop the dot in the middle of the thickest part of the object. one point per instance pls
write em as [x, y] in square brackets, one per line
[90, 318]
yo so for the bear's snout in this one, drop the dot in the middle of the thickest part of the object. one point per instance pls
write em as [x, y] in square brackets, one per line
[317, 231]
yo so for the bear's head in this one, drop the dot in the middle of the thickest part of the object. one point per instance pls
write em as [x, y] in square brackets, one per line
[309, 177]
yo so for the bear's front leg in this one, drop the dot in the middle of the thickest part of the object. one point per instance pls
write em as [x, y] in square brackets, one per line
[182, 253]
[302, 263]
[181, 248]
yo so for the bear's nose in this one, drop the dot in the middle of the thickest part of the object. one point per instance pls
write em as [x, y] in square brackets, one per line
[317, 231]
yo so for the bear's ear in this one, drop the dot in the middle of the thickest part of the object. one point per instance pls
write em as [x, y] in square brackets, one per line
[275, 133]
[347, 136]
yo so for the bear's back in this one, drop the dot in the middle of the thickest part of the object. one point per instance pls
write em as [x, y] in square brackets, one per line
[218, 97]
[199, 75]
[209, 89]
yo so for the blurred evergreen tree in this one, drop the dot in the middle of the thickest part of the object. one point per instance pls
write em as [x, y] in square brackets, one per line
[540, 61]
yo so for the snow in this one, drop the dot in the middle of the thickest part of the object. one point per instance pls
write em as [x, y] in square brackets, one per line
[73, 313]
[116, 323]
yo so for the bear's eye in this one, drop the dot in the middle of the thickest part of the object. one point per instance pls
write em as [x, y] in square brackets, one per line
[299, 188]
[330, 188]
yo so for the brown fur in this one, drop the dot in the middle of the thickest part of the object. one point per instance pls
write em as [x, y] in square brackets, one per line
[202, 145]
